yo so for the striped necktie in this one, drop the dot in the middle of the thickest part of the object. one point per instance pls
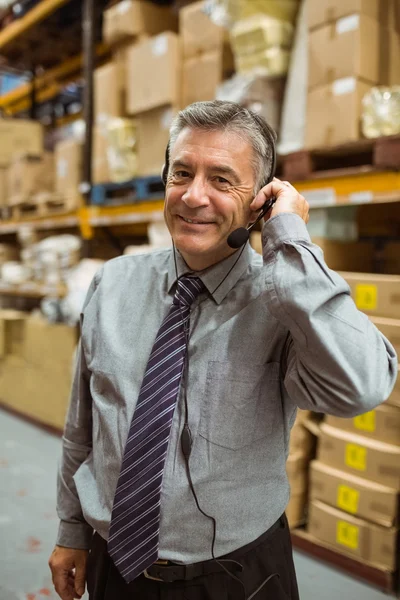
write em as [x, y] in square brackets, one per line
[134, 530]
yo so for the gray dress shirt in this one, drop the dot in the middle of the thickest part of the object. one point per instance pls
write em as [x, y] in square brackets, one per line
[279, 333]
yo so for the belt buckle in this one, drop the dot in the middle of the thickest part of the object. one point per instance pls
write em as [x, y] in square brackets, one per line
[148, 576]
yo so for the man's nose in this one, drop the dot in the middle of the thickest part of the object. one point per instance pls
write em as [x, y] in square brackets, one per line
[196, 194]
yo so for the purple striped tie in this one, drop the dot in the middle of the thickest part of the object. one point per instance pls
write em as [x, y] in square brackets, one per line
[135, 520]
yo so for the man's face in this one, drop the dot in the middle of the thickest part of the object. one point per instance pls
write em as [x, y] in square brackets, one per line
[210, 183]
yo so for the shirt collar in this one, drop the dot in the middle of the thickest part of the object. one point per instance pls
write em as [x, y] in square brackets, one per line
[213, 276]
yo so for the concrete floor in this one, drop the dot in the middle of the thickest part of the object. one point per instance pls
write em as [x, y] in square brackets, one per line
[28, 523]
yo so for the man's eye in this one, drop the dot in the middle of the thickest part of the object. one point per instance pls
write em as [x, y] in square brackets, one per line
[222, 180]
[181, 174]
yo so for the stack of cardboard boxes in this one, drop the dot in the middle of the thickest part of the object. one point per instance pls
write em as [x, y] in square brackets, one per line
[19, 139]
[355, 481]
[301, 451]
[36, 360]
[353, 46]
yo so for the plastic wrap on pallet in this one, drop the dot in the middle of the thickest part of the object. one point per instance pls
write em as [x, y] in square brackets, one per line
[228, 12]
[381, 112]
[119, 138]
[78, 281]
[259, 32]
[257, 93]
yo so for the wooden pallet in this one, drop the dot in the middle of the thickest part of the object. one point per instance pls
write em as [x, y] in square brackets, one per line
[128, 192]
[380, 154]
[45, 204]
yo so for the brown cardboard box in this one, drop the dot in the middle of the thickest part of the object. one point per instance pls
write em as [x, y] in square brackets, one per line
[375, 294]
[360, 455]
[390, 329]
[12, 332]
[131, 18]
[8, 252]
[394, 398]
[47, 345]
[297, 472]
[352, 256]
[199, 33]
[296, 510]
[30, 175]
[160, 57]
[320, 12]
[153, 136]
[201, 77]
[354, 495]
[100, 168]
[109, 91]
[352, 536]
[3, 186]
[19, 136]
[334, 113]
[68, 159]
[301, 440]
[338, 50]
[382, 423]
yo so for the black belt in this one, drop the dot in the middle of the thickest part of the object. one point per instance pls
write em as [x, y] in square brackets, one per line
[168, 572]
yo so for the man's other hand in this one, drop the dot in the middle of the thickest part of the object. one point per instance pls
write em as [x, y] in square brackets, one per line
[68, 568]
[288, 200]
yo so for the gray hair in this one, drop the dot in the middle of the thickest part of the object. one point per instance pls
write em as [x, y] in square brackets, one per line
[228, 116]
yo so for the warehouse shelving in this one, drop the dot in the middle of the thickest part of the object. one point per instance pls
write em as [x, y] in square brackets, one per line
[33, 290]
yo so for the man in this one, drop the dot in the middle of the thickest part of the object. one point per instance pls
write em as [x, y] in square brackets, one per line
[174, 461]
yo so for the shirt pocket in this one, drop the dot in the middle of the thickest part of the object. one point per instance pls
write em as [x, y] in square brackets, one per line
[240, 403]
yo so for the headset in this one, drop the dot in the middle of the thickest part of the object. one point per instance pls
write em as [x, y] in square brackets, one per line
[236, 239]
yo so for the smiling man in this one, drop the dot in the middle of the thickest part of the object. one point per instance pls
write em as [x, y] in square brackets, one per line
[191, 365]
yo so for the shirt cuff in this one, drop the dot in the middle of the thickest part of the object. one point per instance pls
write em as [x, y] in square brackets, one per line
[74, 535]
[285, 227]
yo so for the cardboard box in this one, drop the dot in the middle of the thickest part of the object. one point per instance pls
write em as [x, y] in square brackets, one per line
[68, 164]
[297, 472]
[12, 332]
[3, 186]
[29, 175]
[359, 455]
[199, 33]
[320, 12]
[334, 113]
[285, 10]
[8, 252]
[100, 168]
[296, 510]
[375, 294]
[109, 92]
[19, 136]
[394, 398]
[355, 495]
[49, 346]
[153, 137]
[382, 423]
[344, 49]
[390, 329]
[160, 57]
[132, 18]
[201, 77]
[352, 256]
[353, 536]
[301, 440]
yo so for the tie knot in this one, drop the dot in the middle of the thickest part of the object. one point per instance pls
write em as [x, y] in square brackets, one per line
[187, 291]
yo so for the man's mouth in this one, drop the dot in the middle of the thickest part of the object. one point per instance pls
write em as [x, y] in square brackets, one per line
[195, 221]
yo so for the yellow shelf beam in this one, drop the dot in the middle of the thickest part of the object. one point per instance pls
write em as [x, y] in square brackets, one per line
[19, 99]
[37, 14]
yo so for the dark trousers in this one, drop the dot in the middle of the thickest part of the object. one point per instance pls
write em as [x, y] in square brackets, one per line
[268, 555]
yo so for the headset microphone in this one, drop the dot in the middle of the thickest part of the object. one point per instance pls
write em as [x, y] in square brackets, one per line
[240, 236]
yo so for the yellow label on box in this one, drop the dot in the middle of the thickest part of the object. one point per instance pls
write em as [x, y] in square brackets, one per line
[347, 535]
[347, 499]
[366, 296]
[365, 422]
[356, 457]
